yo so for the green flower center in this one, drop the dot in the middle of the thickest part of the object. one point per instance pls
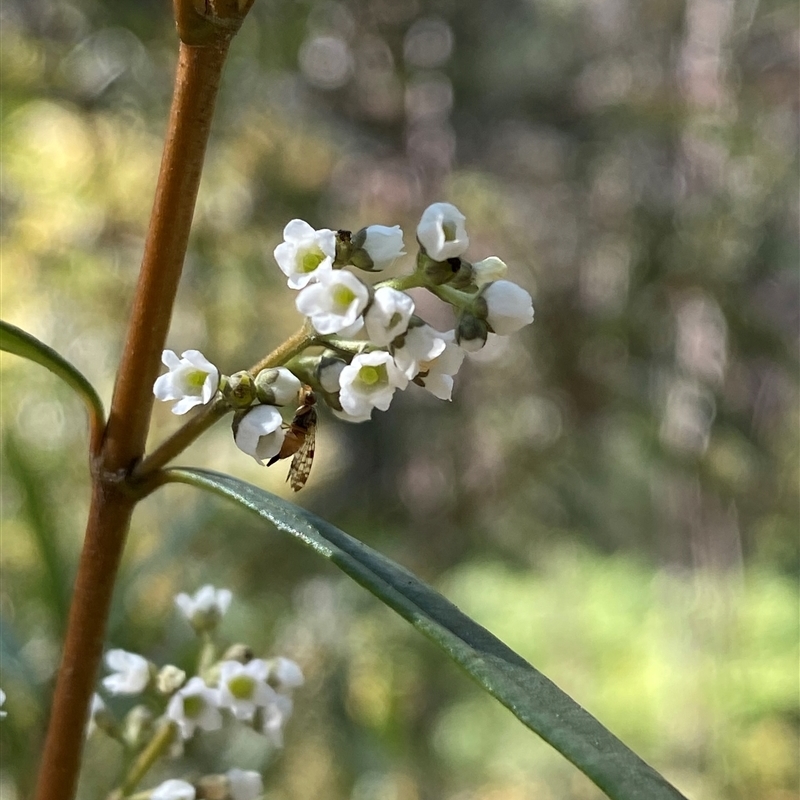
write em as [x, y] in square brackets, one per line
[241, 687]
[450, 230]
[372, 375]
[311, 260]
[197, 378]
[193, 705]
[343, 296]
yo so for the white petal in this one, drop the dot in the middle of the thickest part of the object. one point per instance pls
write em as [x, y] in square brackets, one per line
[442, 233]
[174, 790]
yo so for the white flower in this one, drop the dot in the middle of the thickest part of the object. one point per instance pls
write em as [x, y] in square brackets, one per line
[243, 687]
[131, 672]
[285, 674]
[193, 706]
[383, 245]
[192, 380]
[277, 386]
[3, 700]
[509, 307]
[421, 344]
[259, 433]
[442, 233]
[334, 304]
[305, 255]
[388, 315]
[276, 715]
[207, 605]
[173, 790]
[368, 382]
[244, 784]
[488, 270]
[436, 375]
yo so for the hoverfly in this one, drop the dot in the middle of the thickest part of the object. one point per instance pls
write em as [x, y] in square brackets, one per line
[299, 441]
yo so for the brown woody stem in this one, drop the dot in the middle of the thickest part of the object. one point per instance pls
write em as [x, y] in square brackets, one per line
[196, 83]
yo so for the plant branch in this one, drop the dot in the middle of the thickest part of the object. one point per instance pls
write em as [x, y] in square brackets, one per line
[197, 79]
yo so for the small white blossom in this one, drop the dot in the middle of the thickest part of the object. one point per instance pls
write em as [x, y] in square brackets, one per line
[131, 672]
[488, 270]
[243, 687]
[368, 382]
[206, 607]
[383, 245]
[276, 714]
[192, 380]
[259, 433]
[509, 307]
[285, 674]
[442, 233]
[195, 706]
[244, 784]
[3, 700]
[421, 344]
[436, 375]
[335, 303]
[305, 254]
[388, 315]
[174, 790]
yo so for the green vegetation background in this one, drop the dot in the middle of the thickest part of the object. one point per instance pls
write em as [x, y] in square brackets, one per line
[613, 491]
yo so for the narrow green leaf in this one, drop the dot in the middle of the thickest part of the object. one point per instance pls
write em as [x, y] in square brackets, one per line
[532, 697]
[15, 340]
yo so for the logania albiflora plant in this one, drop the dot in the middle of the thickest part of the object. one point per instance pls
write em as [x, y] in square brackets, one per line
[359, 344]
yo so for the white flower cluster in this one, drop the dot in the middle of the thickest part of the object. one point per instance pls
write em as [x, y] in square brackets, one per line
[373, 342]
[255, 691]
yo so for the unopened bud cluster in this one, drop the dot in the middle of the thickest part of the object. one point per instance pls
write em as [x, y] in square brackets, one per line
[367, 342]
[252, 691]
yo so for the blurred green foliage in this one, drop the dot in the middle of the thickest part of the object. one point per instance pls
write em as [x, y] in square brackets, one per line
[613, 491]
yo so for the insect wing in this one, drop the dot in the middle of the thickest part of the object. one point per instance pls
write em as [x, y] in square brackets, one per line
[304, 457]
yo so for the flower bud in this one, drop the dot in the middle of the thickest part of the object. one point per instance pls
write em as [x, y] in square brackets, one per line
[277, 387]
[137, 729]
[100, 718]
[488, 270]
[376, 247]
[257, 431]
[329, 368]
[239, 652]
[471, 332]
[508, 307]
[170, 679]
[238, 389]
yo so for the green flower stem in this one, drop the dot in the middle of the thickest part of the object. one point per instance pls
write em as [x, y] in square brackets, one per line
[351, 347]
[156, 748]
[453, 296]
[412, 281]
[211, 413]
